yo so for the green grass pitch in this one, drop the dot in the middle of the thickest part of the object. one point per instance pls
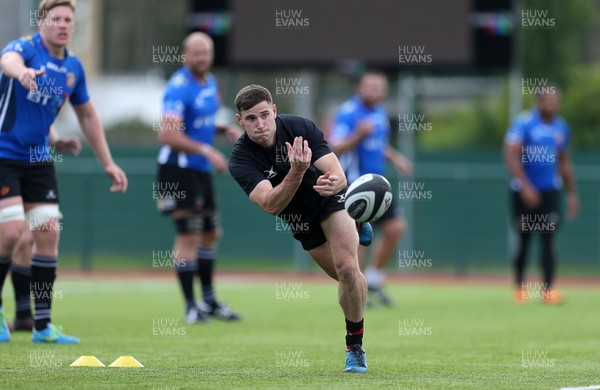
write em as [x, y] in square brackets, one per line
[437, 337]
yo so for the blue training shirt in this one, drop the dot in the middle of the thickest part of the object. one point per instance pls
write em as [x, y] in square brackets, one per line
[541, 144]
[26, 116]
[369, 155]
[195, 104]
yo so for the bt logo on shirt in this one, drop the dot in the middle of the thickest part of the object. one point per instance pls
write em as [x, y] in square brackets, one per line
[47, 88]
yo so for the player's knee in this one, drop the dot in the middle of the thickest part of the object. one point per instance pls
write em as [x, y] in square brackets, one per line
[10, 233]
[189, 224]
[11, 224]
[25, 240]
[185, 244]
[45, 237]
[347, 269]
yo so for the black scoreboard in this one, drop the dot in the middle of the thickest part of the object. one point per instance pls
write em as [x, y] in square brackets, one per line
[422, 34]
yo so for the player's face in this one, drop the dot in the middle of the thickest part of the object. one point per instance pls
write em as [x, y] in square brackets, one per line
[372, 89]
[259, 123]
[198, 56]
[57, 26]
[548, 104]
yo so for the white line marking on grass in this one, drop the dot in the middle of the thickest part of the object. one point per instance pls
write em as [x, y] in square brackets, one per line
[593, 387]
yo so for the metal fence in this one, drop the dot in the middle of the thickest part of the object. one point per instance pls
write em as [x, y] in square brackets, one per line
[457, 215]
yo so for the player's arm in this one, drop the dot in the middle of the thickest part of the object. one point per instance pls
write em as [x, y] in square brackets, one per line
[512, 157]
[232, 132]
[92, 129]
[342, 145]
[334, 179]
[13, 65]
[53, 136]
[565, 167]
[170, 134]
[274, 199]
[64, 144]
[400, 162]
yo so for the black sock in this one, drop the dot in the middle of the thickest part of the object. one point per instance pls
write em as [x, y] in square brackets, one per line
[185, 272]
[520, 257]
[21, 279]
[354, 332]
[206, 261]
[548, 258]
[43, 274]
[4, 267]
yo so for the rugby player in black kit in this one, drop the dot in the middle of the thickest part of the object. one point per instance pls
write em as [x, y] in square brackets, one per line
[286, 167]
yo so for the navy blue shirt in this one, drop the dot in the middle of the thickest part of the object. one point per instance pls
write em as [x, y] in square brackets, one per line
[250, 163]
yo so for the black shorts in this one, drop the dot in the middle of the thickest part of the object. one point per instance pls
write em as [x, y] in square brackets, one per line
[394, 211]
[548, 212]
[34, 183]
[306, 226]
[185, 189]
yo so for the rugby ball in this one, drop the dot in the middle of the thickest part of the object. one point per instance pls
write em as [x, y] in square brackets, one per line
[368, 197]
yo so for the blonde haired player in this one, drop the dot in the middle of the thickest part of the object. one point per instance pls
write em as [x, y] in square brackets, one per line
[39, 74]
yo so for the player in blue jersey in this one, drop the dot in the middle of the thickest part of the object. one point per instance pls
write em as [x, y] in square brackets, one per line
[39, 74]
[360, 138]
[538, 160]
[186, 158]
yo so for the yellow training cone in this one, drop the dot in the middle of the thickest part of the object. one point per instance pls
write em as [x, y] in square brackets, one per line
[87, 361]
[126, 361]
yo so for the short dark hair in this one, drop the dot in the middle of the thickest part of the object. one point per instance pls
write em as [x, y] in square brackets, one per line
[250, 96]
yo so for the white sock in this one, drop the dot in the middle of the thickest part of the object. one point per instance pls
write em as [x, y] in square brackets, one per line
[374, 277]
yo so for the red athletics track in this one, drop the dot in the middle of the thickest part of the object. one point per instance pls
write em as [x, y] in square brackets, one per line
[257, 277]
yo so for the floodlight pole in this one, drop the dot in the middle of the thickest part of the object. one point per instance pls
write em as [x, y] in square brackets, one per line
[515, 97]
[407, 86]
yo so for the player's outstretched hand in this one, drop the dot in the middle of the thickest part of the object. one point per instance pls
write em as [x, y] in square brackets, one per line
[299, 155]
[70, 145]
[27, 78]
[327, 184]
[117, 176]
